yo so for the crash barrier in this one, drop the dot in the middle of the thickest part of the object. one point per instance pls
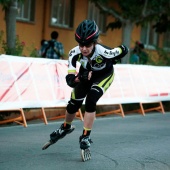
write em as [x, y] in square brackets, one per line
[22, 120]
[27, 82]
[117, 110]
[142, 110]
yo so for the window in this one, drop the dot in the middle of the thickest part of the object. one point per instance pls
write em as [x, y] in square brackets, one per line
[26, 10]
[149, 37]
[95, 14]
[62, 13]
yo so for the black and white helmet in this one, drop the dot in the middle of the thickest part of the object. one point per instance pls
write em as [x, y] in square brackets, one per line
[87, 32]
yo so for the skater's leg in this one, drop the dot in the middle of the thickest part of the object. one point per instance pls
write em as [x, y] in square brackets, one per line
[66, 127]
[71, 109]
[90, 113]
[85, 140]
[88, 124]
[89, 119]
[68, 119]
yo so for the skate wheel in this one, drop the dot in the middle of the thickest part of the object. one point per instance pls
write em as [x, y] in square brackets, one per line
[85, 155]
[46, 145]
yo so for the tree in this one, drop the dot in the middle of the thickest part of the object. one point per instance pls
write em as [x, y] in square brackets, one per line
[135, 12]
[10, 8]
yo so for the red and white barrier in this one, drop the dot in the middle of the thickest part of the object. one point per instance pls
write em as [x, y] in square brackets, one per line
[36, 82]
[138, 84]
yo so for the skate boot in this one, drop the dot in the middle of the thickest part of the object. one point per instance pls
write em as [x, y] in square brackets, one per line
[58, 134]
[85, 143]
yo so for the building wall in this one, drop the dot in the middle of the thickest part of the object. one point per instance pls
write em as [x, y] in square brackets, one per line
[2, 21]
[33, 33]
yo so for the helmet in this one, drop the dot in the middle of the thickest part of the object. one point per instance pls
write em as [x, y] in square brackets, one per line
[87, 32]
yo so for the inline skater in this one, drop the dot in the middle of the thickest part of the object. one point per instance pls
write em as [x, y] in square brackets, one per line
[95, 76]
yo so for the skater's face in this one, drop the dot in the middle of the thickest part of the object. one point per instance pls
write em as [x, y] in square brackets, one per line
[86, 49]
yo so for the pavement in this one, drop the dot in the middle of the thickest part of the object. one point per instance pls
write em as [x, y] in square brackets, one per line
[134, 142]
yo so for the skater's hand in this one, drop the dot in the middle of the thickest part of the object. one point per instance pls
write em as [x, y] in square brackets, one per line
[85, 76]
[72, 80]
[89, 75]
[77, 79]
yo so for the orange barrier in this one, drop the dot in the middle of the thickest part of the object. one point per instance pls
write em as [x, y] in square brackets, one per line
[22, 120]
[142, 110]
[19, 120]
[79, 114]
[118, 111]
[159, 108]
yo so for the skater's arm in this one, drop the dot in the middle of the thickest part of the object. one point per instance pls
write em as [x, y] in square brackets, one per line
[71, 78]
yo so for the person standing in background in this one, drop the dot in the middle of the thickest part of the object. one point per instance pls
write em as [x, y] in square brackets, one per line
[138, 54]
[52, 49]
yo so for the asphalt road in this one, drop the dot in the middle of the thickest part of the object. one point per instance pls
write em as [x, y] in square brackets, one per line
[132, 143]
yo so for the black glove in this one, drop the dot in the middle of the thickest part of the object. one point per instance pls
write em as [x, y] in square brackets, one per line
[84, 76]
[116, 61]
[70, 79]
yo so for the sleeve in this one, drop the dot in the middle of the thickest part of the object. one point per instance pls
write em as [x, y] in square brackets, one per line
[115, 53]
[124, 51]
[74, 55]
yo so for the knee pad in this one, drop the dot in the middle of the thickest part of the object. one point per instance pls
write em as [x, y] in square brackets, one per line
[92, 98]
[73, 106]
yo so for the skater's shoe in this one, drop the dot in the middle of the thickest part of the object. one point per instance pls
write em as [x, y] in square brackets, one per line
[85, 143]
[60, 133]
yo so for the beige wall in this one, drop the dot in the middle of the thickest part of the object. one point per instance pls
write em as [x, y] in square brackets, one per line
[33, 33]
